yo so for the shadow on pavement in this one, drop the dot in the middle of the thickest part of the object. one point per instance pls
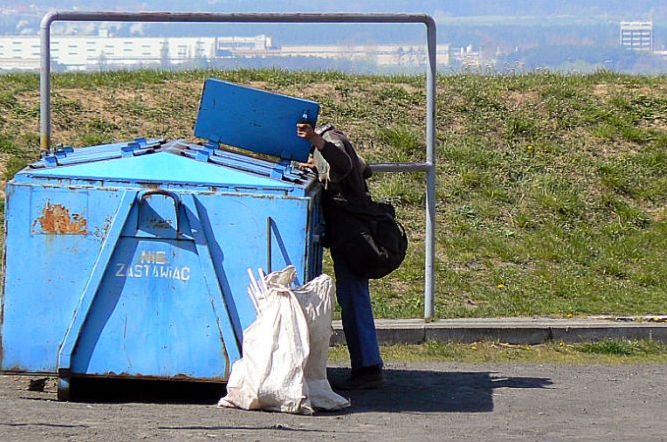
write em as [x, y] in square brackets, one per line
[406, 390]
[433, 391]
[146, 391]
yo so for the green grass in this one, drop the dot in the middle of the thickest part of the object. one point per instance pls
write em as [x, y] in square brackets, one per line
[602, 352]
[551, 189]
[623, 348]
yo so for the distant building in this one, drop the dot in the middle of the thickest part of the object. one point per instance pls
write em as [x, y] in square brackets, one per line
[88, 53]
[637, 35]
[101, 52]
[381, 54]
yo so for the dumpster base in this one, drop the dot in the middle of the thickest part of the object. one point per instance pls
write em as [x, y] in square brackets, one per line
[70, 388]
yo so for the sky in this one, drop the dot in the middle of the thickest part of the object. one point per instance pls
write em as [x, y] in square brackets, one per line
[611, 9]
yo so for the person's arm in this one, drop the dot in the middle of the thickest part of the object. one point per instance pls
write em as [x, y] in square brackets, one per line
[334, 153]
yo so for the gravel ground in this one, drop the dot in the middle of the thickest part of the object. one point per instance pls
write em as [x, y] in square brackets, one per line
[425, 401]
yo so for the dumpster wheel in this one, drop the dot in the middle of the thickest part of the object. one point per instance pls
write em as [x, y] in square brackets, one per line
[63, 393]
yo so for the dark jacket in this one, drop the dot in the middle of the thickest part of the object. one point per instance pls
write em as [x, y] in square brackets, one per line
[341, 170]
[343, 174]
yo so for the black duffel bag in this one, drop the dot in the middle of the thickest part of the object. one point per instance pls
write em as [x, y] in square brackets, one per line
[369, 238]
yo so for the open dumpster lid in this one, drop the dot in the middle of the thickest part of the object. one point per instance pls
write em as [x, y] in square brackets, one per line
[254, 120]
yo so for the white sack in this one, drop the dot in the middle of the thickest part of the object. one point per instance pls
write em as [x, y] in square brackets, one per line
[316, 300]
[285, 350]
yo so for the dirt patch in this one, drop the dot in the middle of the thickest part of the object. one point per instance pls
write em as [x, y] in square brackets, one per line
[321, 90]
[259, 85]
[658, 214]
[518, 100]
[602, 90]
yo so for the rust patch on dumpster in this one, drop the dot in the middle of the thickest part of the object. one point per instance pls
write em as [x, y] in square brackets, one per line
[101, 232]
[57, 220]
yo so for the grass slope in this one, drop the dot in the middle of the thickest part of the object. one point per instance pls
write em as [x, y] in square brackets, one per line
[552, 189]
[602, 352]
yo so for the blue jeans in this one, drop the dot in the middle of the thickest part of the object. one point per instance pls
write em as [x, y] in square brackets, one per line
[354, 298]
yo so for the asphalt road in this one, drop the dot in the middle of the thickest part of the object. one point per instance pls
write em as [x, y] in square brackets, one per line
[429, 401]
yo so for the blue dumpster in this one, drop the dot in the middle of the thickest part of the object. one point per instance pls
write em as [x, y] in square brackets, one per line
[130, 259]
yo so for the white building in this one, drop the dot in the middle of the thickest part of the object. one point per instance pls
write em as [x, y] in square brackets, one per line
[94, 52]
[91, 53]
[637, 35]
[382, 55]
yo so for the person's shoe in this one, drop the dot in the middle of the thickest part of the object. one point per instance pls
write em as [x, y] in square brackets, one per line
[369, 378]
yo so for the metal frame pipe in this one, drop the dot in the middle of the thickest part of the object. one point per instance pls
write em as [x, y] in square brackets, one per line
[168, 17]
[400, 167]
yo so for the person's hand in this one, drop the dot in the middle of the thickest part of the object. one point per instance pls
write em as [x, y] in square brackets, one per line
[305, 166]
[306, 131]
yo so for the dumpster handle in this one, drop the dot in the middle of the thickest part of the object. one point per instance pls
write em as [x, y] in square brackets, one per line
[177, 201]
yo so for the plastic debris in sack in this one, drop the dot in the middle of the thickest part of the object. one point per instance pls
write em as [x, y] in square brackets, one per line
[285, 351]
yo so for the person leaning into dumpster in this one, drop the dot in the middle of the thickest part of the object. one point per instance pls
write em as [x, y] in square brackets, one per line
[343, 174]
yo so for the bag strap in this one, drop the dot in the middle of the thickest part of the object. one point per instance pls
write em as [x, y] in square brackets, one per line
[371, 212]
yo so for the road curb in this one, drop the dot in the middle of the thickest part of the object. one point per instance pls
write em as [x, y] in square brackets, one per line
[530, 331]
